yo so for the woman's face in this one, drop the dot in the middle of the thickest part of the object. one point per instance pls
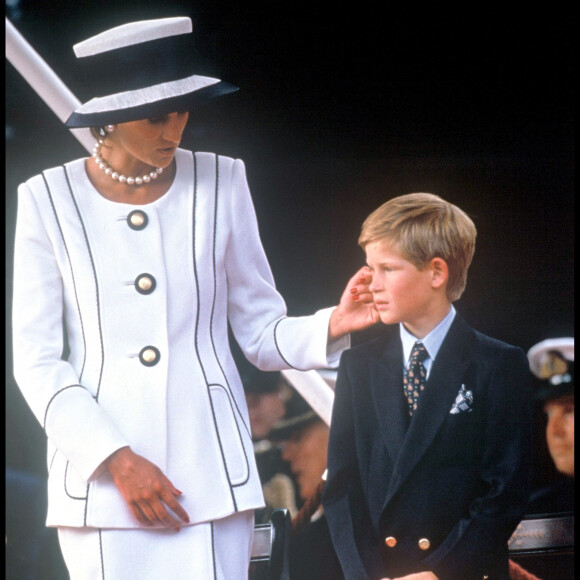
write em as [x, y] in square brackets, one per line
[150, 141]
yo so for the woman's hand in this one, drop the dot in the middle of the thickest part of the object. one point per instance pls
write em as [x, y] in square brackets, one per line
[356, 309]
[145, 489]
[418, 576]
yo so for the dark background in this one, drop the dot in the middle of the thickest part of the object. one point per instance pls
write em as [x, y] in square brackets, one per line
[341, 108]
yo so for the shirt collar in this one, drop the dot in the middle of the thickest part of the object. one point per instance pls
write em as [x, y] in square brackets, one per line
[432, 341]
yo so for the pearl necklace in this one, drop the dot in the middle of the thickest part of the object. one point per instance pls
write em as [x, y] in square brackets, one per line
[119, 176]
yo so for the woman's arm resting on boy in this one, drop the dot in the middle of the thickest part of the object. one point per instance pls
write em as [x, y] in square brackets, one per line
[356, 310]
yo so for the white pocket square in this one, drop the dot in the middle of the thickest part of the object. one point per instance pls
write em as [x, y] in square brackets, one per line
[463, 402]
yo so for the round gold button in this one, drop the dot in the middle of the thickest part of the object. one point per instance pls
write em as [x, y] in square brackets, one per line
[145, 284]
[391, 542]
[149, 356]
[137, 220]
[424, 544]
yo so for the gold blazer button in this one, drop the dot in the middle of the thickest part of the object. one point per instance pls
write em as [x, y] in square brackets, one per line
[424, 544]
[391, 542]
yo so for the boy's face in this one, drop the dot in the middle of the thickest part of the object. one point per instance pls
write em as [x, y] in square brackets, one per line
[401, 292]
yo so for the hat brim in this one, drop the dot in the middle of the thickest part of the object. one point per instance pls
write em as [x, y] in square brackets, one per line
[124, 114]
[547, 391]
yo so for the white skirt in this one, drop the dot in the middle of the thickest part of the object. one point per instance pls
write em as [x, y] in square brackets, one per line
[218, 550]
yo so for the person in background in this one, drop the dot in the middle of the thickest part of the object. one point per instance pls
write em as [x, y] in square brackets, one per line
[26, 537]
[130, 266]
[303, 437]
[552, 363]
[266, 396]
[551, 504]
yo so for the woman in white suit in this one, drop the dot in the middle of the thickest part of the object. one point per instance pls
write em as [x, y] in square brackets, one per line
[128, 267]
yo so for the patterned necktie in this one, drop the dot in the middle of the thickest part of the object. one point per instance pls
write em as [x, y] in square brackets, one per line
[415, 376]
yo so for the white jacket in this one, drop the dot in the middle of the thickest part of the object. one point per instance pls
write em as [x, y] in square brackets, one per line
[181, 403]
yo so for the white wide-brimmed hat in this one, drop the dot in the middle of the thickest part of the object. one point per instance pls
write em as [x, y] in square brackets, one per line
[141, 70]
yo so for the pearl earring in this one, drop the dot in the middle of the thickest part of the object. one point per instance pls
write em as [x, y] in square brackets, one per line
[110, 128]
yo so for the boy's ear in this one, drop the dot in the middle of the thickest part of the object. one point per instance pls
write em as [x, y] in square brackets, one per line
[439, 272]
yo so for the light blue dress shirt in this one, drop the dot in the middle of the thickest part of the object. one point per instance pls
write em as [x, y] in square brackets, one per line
[432, 342]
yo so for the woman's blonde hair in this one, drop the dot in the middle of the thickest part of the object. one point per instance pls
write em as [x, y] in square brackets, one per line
[425, 226]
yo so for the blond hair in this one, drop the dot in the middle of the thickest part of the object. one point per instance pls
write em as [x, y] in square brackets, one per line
[425, 226]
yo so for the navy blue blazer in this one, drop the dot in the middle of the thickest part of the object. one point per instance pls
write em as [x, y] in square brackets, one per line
[441, 491]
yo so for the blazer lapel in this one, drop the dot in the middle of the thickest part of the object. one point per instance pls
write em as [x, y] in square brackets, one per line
[387, 393]
[444, 381]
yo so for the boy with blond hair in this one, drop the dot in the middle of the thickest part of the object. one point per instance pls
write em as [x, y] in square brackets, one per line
[430, 444]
